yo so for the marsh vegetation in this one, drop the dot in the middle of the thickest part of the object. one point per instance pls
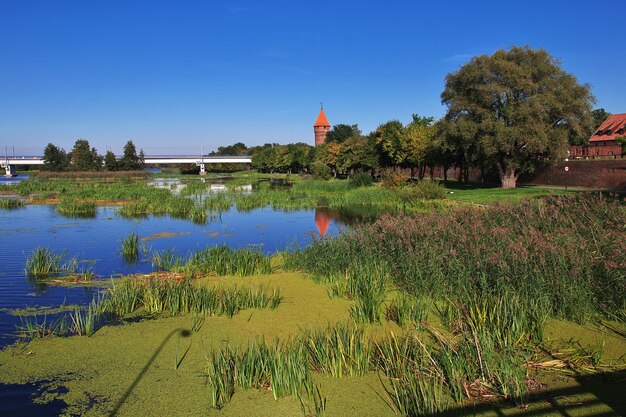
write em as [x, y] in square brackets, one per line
[435, 306]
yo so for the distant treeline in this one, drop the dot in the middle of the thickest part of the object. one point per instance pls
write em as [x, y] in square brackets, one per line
[83, 157]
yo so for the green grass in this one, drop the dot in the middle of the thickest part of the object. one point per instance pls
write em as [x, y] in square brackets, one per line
[72, 208]
[220, 260]
[130, 248]
[476, 194]
[11, 203]
[43, 263]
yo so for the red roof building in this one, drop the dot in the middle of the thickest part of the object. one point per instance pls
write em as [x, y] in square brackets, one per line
[603, 143]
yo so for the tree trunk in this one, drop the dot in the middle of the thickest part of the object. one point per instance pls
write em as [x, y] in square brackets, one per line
[412, 172]
[445, 173]
[508, 178]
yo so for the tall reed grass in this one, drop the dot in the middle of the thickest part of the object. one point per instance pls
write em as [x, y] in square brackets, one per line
[175, 297]
[568, 250]
[74, 208]
[130, 248]
[43, 262]
[220, 260]
[11, 203]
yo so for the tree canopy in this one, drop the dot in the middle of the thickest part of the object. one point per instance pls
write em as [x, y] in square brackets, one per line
[83, 157]
[130, 159]
[342, 132]
[516, 107]
[54, 158]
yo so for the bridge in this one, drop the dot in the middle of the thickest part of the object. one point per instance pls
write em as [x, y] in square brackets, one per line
[10, 163]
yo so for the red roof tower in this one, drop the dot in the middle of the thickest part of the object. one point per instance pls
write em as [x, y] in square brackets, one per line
[321, 127]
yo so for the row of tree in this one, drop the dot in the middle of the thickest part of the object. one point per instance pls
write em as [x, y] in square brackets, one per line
[506, 113]
[83, 157]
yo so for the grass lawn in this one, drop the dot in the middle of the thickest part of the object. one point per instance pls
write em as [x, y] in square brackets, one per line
[471, 193]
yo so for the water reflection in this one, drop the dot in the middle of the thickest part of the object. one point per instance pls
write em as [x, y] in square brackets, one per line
[324, 215]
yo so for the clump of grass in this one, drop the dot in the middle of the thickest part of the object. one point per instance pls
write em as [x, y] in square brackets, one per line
[166, 260]
[11, 203]
[74, 208]
[175, 297]
[339, 350]
[130, 247]
[43, 262]
[32, 328]
[281, 367]
[223, 260]
[407, 309]
[414, 383]
[85, 321]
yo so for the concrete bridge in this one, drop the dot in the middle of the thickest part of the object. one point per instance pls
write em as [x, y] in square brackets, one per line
[10, 163]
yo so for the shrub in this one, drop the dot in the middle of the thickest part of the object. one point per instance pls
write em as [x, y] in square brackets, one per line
[320, 171]
[361, 180]
[392, 178]
[428, 189]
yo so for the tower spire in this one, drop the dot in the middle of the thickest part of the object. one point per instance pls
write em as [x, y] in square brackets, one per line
[321, 106]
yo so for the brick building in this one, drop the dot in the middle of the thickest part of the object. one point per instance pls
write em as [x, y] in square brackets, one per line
[603, 143]
[321, 128]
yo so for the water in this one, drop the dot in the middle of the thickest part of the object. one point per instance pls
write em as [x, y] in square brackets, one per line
[97, 242]
[12, 180]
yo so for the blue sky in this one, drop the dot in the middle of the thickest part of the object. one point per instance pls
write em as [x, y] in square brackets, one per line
[176, 75]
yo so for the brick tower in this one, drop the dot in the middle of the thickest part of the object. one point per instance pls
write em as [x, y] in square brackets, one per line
[321, 127]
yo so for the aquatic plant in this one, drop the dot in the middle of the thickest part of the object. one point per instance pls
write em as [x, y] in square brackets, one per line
[11, 203]
[43, 262]
[408, 309]
[537, 249]
[175, 297]
[85, 321]
[32, 328]
[339, 350]
[166, 260]
[73, 208]
[223, 260]
[130, 247]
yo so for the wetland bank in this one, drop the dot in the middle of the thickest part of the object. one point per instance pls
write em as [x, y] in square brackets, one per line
[427, 307]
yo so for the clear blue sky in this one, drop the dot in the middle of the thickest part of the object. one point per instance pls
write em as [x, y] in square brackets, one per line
[190, 73]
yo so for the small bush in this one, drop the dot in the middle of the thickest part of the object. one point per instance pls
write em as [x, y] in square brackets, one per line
[361, 180]
[428, 189]
[320, 171]
[392, 178]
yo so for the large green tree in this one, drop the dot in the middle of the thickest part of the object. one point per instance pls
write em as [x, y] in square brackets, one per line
[84, 158]
[342, 132]
[130, 159]
[54, 158]
[521, 108]
[110, 161]
[391, 140]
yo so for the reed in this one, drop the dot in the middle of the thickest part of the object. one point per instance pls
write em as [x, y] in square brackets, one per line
[567, 250]
[85, 322]
[176, 297]
[11, 203]
[32, 328]
[130, 248]
[43, 262]
[223, 260]
[74, 208]
[339, 350]
[407, 309]
[281, 367]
